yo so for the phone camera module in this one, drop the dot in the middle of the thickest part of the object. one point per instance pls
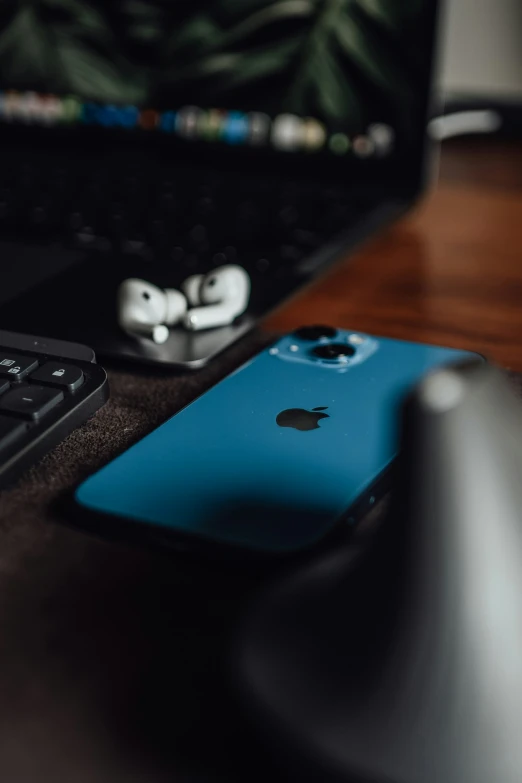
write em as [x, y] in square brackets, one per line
[333, 351]
[314, 333]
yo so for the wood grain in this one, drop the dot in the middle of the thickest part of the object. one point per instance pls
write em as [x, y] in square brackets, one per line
[450, 273]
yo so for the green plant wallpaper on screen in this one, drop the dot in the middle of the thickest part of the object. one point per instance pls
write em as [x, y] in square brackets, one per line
[343, 61]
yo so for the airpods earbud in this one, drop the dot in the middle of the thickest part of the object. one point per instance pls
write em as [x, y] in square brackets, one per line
[191, 288]
[220, 296]
[144, 310]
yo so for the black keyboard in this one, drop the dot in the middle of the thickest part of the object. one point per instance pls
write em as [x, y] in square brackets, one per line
[190, 218]
[43, 397]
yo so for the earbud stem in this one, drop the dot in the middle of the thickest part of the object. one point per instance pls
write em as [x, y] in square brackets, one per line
[158, 334]
[209, 317]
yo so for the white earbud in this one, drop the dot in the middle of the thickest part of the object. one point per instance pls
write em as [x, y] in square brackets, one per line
[222, 295]
[144, 310]
[191, 288]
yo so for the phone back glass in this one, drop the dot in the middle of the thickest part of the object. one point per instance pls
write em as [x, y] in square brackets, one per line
[250, 463]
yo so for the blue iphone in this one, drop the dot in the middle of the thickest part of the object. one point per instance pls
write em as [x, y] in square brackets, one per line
[276, 454]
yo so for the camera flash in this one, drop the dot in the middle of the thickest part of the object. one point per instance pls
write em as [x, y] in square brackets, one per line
[294, 348]
[355, 339]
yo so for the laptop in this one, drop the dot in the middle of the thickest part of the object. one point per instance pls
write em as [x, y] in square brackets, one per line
[158, 140]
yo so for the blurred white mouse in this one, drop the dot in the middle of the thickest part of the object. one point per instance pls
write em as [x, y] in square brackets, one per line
[217, 298]
[144, 310]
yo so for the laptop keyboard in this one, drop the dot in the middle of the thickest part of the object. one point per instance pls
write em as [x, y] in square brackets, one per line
[192, 219]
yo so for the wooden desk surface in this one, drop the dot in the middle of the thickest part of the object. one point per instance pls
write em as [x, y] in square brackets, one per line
[450, 273]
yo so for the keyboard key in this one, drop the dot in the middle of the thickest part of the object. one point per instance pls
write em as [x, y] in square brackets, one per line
[76, 221]
[14, 367]
[4, 386]
[290, 253]
[66, 376]
[263, 264]
[177, 254]
[306, 238]
[31, 402]
[197, 239]
[10, 431]
[226, 254]
[191, 261]
[288, 215]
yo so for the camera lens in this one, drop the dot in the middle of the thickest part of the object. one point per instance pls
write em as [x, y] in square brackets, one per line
[313, 333]
[333, 351]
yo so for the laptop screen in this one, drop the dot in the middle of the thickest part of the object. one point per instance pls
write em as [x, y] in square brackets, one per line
[339, 79]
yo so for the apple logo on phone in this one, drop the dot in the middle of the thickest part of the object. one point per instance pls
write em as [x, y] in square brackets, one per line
[301, 419]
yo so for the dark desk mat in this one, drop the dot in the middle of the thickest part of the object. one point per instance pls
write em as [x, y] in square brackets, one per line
[111, 658]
